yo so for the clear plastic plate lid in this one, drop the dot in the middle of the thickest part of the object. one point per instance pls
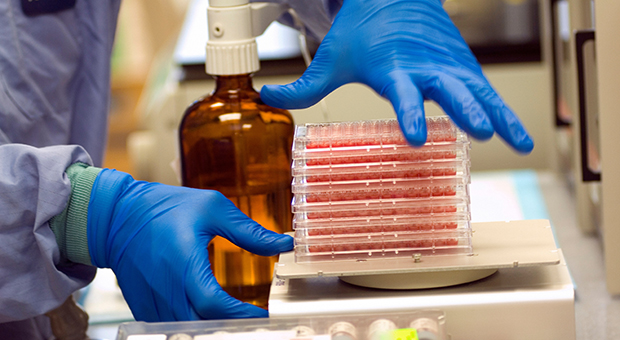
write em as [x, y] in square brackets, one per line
[411, 193]
[440, 130]
[310, 236]
[455, 244]
[404, 205]
[404, 184]
[376, 141]
[395, 169]
[410, 227]
[381, 153]
[389, 223]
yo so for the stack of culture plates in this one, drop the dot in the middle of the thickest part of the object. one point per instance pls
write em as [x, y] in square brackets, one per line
[361, 192]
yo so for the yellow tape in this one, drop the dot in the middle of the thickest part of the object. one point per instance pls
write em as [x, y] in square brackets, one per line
[401, 334]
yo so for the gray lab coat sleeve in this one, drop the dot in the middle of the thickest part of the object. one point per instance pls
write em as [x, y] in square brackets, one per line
[54, 95]
[316, 15]
[33, 189]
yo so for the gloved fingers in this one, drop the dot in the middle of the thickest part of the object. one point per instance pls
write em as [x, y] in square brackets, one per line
[239, 229]
[208, 299]
[316, 83]
[504, 120]
[409, 106]
[459, 103]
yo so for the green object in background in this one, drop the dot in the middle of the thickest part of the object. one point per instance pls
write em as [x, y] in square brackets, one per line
[401, 334]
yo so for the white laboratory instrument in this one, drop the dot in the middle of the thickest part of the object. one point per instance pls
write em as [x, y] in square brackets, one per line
[587, 85]
[338, 219]
[531, 294]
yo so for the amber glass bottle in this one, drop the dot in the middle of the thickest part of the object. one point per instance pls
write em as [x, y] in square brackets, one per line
[234, 143]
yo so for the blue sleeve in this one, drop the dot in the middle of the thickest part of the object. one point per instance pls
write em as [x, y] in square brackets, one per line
[34, 189]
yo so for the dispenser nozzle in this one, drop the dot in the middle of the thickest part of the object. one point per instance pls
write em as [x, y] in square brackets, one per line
[233, 28]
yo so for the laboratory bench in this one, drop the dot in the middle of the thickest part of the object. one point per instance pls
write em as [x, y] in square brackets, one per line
[495, 196]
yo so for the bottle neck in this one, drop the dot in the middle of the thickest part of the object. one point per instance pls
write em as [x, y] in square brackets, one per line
[234, 83]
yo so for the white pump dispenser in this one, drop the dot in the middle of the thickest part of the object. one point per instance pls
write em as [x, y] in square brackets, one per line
[233, 27]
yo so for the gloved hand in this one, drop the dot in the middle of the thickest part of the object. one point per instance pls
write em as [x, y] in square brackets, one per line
[405, 50]
[155, 237]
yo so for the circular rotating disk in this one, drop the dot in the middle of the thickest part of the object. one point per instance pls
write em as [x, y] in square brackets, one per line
[418, 280]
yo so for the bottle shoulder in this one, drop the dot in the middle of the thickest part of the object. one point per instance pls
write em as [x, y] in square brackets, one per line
[236, 106]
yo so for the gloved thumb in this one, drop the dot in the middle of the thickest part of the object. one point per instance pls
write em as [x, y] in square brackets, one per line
[306, 91]
[244, 232]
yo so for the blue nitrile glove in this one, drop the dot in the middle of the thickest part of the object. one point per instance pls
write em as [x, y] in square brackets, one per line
[155, 237]
[405, 50]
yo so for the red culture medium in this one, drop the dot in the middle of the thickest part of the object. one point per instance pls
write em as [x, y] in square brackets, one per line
[361, 191]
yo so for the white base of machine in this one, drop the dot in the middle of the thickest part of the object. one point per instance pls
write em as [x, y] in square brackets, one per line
[534, 303]
[523, 301]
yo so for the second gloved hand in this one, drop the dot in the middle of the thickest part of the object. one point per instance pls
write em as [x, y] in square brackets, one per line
[407, 51]
[155, 237]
